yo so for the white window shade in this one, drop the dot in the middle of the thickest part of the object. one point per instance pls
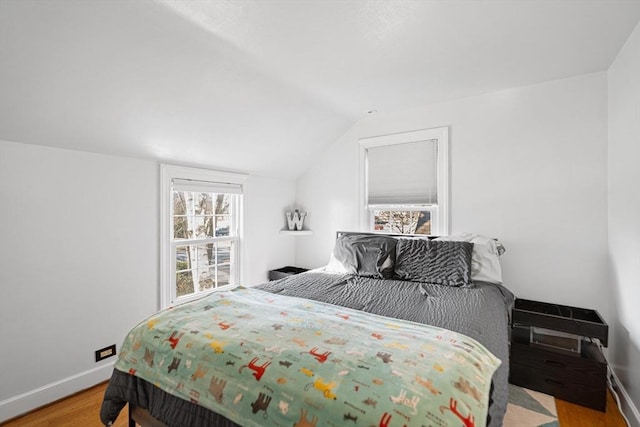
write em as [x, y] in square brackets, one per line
[403, 174]
[205, 186]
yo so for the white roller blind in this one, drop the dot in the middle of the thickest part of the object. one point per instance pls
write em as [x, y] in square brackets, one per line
[205, 186]
[403, 173]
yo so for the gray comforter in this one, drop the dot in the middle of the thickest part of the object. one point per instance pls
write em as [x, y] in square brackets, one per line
[480, 311]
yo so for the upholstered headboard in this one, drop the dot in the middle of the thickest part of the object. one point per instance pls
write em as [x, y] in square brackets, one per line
[370, 233]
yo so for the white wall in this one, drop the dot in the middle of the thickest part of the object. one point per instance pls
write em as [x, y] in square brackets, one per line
[624, 214]
[528, 166]
[265, 203]
[79, 262]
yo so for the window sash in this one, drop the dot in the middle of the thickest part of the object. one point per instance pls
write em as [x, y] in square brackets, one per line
[191, 217]
[197, 290]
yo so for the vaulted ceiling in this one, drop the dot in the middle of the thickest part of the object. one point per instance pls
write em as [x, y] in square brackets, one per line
[264, 86]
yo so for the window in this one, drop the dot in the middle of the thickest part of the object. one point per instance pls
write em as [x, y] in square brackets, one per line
[201, 231]
[405, 182]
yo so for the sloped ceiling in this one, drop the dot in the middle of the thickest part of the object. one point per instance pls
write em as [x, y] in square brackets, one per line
[265, 86]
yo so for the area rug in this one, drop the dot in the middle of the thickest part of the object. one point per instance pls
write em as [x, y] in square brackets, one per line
[528, 408]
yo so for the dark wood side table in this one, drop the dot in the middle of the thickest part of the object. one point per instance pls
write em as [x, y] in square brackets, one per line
[283, 272]
[545, 358]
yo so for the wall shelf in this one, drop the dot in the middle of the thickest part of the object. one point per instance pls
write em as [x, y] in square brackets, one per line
[297, 233]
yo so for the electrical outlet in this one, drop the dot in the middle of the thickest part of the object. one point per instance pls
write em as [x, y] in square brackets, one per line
[103, 353]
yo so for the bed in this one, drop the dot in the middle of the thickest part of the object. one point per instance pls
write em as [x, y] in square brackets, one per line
[393, 331]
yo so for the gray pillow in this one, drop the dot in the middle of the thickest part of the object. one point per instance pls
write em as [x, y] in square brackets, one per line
[366, 255]
[441, 262]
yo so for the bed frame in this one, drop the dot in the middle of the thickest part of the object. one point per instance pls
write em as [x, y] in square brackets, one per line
[141, 417]
[372, 233]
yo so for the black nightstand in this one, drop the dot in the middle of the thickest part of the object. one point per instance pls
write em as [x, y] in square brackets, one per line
[548, 359]
[283, 272]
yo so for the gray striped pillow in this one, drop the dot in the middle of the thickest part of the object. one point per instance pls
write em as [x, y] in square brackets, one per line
[441, 262]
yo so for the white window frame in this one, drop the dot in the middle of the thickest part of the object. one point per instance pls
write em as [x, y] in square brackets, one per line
[439, 211]
[168, 173]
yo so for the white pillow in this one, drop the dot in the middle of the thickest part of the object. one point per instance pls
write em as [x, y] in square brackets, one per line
[335, 266]
[485, 265]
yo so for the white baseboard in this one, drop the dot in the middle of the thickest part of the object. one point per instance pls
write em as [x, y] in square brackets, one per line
[627, 406]
[25, 402]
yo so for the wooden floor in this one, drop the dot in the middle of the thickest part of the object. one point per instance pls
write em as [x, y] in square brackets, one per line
[83, 409]
[80, 410]
[570, 415]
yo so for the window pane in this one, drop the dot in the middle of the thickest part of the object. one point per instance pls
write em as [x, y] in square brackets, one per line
[180, 227]
[209, 222]
[223, 225]
[206, 255]
[203, 226]
[402, 221]
[224, 275]
[183, 259]
[204, 204]
[223, 203]
[184, 283]
[206, 278]
[182, 207]
[224, 253]
[179, 203]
